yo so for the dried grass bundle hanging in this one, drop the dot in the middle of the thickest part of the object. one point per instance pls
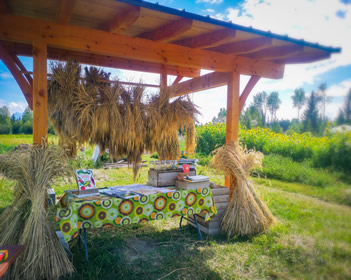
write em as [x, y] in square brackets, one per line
[165, 118]
[246, 214]
[119, 119]
[26, 222]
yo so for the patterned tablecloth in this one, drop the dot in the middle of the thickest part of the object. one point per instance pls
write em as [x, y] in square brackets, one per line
[73, 213]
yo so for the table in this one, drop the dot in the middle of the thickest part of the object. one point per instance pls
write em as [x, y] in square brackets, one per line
[14, 252]
[75, 215]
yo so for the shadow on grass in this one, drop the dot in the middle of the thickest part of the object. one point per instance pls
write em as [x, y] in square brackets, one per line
[144, 252]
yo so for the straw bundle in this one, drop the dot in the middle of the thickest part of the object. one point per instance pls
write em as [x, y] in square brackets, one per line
[119, 119]
[165, 118]
[25, 222]
[246, 214]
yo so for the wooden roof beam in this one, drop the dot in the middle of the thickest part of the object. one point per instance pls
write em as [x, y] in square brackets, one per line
[244, 46]
[81, 39]
[204, 82]
[65, 11]
[22, 82]
[169, 31]
[123, 20]
[208, 40]
[277, 52]
[105, 61]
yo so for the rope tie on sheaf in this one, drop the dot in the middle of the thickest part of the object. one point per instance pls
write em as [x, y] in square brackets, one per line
[246, 213]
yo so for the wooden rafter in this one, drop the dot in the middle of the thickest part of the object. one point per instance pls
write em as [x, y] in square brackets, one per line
[277, 52]
[123, 20]
[22, 82]
[105, 61]
[25, 29]
[250, 85]
[204, 82]
[208, 40]
[177, 80]
[244, 46]
[169, 31]
[65, 11]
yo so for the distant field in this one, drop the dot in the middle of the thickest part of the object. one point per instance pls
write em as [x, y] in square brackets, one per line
[8, 142]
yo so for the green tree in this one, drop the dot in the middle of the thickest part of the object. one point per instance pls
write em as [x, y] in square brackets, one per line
[16, 125]
[324, 98]
[347, 107]
[27, 121]
[221, 117]
[273, 104]
[251, 117]
[260, 102]
[311, 113]
[299, 100]
[340, 119]
[5, 121]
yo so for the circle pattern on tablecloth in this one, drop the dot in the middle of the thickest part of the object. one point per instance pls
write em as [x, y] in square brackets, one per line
[126, 207]
[144, 199]
[139, 211]
[106, 203]
[102, 215]
[190, 211]
[66, 227]
[190, 199]
[126, 221]
[87, 224]
[112, 214]
[86, 211]
[159, 216]
[172, 206]
[201, 201]
[176, 195]
[160, 203]
[205, 191]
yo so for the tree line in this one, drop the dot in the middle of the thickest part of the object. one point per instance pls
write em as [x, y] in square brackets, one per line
[10, 124]
[311, 112]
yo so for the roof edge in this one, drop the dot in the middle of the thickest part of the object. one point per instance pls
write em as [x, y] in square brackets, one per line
[183, 13]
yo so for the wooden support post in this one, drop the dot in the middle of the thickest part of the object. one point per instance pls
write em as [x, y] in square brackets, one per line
[40, 92]
[233, 113]
[163, 77]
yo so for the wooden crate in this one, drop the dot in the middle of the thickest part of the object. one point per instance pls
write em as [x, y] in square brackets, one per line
[164, 178]
[221, 201]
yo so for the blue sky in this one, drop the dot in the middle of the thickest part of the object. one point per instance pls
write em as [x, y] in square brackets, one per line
[327, 22]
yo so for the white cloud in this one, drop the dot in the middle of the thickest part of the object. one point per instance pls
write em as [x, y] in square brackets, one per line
[209, 1]
[5, 75]
[314, 21]
[211, 11]
[14, 107]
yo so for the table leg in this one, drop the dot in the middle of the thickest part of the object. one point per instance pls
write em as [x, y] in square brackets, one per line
[196, 224]
[84, 241]
[85, 245]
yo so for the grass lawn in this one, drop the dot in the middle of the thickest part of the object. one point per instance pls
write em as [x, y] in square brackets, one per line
[311, 240]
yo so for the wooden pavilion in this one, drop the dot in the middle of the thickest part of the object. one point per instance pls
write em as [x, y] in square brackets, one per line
[140, 36]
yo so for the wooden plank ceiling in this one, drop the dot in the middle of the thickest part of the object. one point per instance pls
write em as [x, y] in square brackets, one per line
[173, 32]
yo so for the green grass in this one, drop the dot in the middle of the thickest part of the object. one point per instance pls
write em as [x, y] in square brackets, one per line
[311, 240]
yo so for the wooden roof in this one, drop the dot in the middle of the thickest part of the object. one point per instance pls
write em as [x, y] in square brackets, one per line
[139, 19]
